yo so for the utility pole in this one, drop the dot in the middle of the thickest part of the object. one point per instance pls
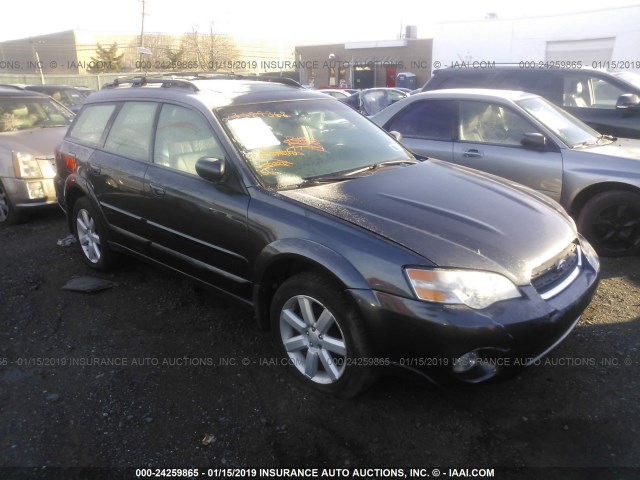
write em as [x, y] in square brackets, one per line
[142, 31]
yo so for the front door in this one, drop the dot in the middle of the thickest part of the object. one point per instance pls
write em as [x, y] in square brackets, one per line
[198, 227]
[490, 138]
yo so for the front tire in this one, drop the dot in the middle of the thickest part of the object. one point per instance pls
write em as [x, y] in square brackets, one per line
[9, 214]
[320, 333]
[91, 235]
[611, 222]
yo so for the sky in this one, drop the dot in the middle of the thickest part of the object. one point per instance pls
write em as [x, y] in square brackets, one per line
[295, 21]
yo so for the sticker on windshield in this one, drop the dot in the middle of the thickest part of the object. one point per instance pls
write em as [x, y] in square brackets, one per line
[253, 133]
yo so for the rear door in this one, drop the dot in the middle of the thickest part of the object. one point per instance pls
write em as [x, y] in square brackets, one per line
[197, 226]
[489, 138]
[116, 171]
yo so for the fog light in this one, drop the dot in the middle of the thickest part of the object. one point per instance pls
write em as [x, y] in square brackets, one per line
[36, 190]
[465, 363]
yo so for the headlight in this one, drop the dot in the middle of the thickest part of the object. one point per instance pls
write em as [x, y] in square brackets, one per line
[469, 287]
[26, 166]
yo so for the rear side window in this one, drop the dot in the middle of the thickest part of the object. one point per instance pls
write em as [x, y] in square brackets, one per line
[431, 119]
[130, 134]
[91, 123]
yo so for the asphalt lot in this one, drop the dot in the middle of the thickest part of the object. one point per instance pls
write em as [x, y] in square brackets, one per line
[155, 373]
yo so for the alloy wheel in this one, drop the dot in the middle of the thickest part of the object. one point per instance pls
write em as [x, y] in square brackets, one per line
[88, 236]
[313, 339]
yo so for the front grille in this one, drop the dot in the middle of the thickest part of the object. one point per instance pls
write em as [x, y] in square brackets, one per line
[549, 278]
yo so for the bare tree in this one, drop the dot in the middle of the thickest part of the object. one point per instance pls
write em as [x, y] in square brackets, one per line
[212, 51]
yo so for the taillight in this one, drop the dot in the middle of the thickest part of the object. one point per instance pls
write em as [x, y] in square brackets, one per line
[68, 162]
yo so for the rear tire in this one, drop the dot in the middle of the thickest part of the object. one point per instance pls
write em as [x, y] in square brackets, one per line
[611, 222]
[320, 334]
[91, 235]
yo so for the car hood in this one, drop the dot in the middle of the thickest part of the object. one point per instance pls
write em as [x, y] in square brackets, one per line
[451, 215]
[621, 147]
[39, 142]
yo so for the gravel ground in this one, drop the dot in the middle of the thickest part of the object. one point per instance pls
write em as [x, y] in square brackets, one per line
[155, 373]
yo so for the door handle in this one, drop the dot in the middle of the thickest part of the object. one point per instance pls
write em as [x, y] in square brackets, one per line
[94, 170]
[473, 153]
[158, 190]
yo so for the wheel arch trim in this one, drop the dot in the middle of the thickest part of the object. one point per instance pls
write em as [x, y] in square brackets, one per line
[281, 258]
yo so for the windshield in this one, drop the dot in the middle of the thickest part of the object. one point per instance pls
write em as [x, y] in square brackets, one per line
[572, 131]
[289, 144]
[24, 113]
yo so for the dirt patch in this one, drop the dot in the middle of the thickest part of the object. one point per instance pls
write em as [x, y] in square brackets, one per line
[154, 373]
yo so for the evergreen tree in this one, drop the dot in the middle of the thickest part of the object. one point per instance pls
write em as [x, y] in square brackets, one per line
[106, 60]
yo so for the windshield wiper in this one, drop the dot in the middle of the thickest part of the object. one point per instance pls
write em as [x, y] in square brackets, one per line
[315, 181]
[601, 139]
[348, 175]
[608, 138]
[587, 143]
[378, 165]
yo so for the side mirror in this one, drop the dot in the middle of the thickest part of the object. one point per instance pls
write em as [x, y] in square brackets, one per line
[212, 169]
[395, 134]
[628, 100]
[534, 140]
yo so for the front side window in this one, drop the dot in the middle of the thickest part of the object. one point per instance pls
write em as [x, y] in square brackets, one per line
[429, 119]
[484, 122]
[183, 137]
[288, 144]
[130, 134]
[585, 91]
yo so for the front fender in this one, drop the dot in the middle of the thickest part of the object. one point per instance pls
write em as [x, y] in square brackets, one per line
[282, 257]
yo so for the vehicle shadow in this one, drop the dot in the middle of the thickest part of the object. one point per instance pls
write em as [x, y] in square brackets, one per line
[625, 268]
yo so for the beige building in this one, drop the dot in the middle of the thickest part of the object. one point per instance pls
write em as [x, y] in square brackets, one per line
[366, 64]
[74, 52]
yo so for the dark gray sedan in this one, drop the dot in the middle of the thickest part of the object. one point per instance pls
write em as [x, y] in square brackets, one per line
[529, 140]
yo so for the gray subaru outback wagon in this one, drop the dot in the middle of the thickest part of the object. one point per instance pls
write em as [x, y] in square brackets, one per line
[354, 254]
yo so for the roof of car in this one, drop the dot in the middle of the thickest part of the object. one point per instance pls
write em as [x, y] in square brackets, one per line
[215, 92]
[486, 93]
[49, 87]
[17, 91]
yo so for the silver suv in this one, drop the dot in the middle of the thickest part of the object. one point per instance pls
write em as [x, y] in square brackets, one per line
[31, 126]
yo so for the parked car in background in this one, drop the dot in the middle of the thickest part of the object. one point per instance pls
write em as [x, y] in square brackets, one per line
[630, 77]
[351, 251]
[529, 140]
[335, 92]
[31, 127]
[608, 103]
[372, 100]
[70, 97]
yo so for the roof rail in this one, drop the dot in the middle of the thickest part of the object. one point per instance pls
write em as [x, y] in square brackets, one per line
[185, 79]
[144, 80]
[284, 80]
[230, 76]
